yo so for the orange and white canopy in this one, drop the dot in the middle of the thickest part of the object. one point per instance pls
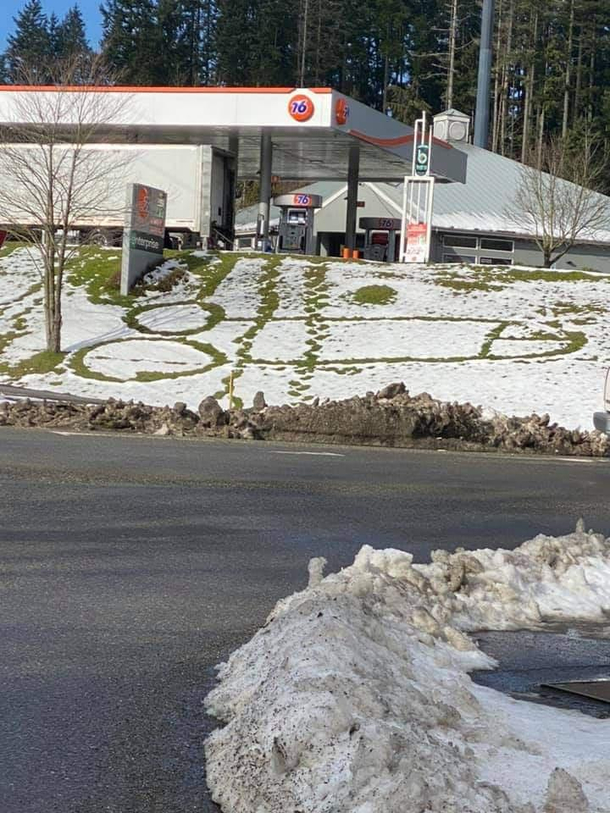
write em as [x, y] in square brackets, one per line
[311, 128]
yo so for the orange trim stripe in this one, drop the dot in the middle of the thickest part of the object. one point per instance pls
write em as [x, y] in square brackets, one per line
[395, 142]
[148, 89]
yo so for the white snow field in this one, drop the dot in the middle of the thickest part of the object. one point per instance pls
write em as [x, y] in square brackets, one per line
[513, 340]
[355, 696]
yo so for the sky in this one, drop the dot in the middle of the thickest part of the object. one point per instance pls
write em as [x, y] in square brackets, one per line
[89, 9]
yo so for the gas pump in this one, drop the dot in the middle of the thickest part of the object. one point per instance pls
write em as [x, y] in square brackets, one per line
[296, 229]
[380, 235]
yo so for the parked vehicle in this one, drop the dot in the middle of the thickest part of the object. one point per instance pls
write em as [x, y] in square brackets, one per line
[198, 179]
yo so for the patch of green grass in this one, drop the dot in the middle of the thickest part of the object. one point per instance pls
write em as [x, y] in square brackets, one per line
[164, 285]
[40, 363]
[493, 334]
[562, 308]
[464, 285]
[375, 295]
[575, 339]
[99, 273]
[495, 278]
[542, 275]
[10, 246]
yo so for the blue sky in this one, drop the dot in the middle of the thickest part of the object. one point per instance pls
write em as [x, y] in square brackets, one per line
[89, 8]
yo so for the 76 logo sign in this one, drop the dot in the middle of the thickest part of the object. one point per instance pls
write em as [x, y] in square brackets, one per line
[301, 107]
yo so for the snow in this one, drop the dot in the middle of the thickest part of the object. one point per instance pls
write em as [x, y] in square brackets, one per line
[173, 318]
[507, 339]
[403, 339]
[124, 360]
[281, 341]
[18, 274]
[355, 696]
[238, 294]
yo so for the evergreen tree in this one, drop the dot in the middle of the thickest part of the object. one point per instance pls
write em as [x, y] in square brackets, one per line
[53, 31]
[30, 44]
[71, 38]
[132, 41]
[551, 70]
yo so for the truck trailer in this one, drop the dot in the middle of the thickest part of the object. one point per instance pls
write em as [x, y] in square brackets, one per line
[199, 181]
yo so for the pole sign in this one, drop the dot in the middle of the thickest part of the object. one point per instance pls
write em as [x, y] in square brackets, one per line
[144, 232]
[422, 159]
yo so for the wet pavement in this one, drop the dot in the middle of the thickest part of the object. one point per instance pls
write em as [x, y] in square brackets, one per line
[130, 566]
[528, 660]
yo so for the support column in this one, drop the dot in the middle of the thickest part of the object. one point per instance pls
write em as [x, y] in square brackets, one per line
[233, 147]
[264, 204]
[353, 172]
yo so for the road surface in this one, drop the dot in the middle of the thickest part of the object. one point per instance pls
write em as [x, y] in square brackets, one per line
[130, 566]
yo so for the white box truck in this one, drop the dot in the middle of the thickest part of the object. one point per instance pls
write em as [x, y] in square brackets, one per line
[199, 181]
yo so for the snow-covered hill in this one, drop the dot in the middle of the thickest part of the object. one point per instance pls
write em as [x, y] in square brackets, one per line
[513, 340]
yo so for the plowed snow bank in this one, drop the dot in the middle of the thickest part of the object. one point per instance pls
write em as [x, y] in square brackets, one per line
[355, 697]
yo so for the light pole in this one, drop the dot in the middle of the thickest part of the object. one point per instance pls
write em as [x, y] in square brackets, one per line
[481, 122]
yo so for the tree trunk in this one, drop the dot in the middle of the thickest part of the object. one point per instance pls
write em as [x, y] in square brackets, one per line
[529, 95]
[506, 78]
[452, 47]
[540, 137]
[568, 74]
[496, 116]
[386, 82]
[577, 89]
[592, 74]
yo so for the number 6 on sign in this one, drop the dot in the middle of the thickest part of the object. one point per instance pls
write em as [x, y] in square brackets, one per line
[301, 108]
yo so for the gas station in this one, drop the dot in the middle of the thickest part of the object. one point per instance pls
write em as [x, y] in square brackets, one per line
[294, 134]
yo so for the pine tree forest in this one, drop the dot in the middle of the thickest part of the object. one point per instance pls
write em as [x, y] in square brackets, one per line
[551, 60]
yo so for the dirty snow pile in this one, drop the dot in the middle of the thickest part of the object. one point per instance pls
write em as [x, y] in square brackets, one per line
[355, 696]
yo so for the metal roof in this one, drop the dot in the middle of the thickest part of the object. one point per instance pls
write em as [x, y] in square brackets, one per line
[482, 204]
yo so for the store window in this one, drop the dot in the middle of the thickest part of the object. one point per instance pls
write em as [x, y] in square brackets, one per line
[459, 241]
[497, 244]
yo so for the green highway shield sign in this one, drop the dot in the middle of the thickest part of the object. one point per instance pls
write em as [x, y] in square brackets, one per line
[422, 159]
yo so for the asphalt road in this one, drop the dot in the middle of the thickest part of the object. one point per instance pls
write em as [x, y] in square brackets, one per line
[130, 566]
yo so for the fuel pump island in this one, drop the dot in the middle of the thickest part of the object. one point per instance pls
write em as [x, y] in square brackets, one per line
[381, 238]
[296, 226]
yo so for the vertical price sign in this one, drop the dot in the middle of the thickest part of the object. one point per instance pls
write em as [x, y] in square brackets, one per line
[416, 248]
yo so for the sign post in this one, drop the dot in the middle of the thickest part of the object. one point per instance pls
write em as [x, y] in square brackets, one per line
[418, 198]
[144, 232]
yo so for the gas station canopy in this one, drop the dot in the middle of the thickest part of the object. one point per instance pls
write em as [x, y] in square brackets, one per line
[312, 129]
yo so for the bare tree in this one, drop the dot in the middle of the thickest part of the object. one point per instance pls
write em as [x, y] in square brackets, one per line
[558, 197]
[55, 173]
